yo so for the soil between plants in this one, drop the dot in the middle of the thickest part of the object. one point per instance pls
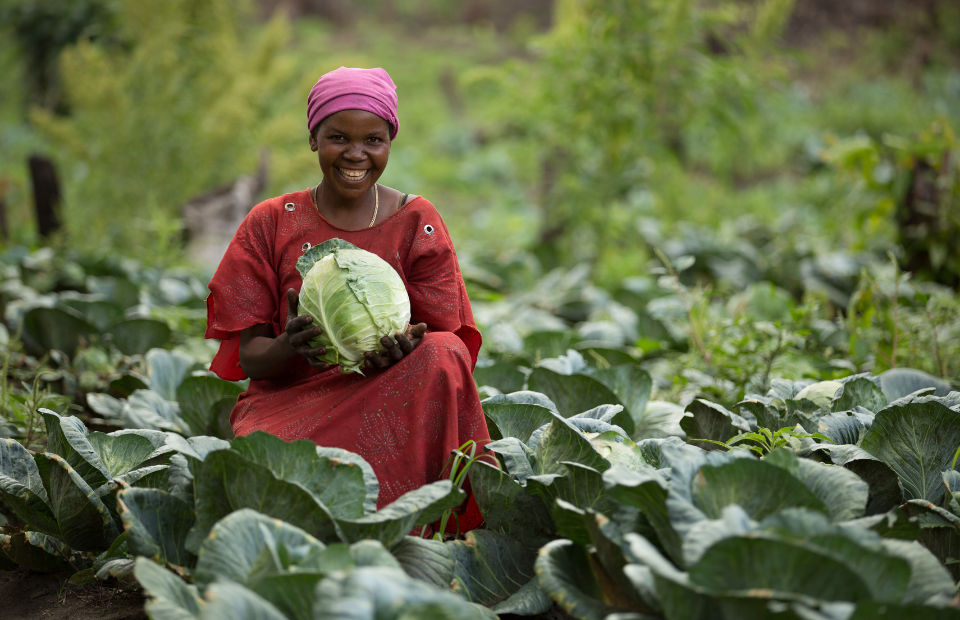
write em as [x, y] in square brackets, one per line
[25, 595]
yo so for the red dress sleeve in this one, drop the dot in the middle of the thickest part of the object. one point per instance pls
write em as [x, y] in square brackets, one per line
[244, 289]
[438, 296]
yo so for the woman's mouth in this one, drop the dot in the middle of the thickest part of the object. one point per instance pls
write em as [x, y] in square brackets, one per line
[352, 175]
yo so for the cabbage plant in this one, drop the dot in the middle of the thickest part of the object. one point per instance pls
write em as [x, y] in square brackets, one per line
[356, 297]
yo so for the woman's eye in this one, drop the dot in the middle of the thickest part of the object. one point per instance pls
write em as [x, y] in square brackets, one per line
[375, 140]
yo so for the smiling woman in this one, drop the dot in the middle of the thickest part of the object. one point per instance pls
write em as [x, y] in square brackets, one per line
[416, 400]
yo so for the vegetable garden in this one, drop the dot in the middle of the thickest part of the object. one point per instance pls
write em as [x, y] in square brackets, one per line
[714, 267]
[623, 482]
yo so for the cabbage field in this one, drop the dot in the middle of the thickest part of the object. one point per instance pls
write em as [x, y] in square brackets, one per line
[660, 451]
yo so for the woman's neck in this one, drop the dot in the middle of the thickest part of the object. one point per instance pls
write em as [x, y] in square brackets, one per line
[351, 214]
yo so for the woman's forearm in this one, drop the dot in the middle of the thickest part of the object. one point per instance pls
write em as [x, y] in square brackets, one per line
[264, 357]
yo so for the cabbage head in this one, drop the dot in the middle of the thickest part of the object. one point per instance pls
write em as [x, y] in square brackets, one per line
[355, 296]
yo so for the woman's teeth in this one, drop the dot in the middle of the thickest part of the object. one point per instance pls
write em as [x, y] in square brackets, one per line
[353, 175]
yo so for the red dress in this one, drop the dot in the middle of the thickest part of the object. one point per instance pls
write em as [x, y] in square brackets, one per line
[404, 420]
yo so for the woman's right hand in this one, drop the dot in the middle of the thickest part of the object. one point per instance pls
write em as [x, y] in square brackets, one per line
[299, 333]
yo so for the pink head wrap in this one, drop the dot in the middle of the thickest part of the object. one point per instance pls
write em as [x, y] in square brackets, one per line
[354, 89]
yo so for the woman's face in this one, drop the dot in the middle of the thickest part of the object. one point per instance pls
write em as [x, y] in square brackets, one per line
[353, 147]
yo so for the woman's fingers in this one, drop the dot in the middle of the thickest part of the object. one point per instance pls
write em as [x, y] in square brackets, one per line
[393, 351]
[315, 363]
[418, 330]
[300, 336]
[376, 361]
[404, 344]
[293, 300]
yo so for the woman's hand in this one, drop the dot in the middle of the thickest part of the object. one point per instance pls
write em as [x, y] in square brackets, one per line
[404, 345]
[299, 333]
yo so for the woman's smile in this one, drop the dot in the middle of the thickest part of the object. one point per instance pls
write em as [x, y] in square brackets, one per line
[352, 175]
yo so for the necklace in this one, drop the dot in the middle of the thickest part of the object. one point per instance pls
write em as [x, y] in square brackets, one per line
[376, 201]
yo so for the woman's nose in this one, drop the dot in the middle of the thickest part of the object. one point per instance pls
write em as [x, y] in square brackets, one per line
[355, 152]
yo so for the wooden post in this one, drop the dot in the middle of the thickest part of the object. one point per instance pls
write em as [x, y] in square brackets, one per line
[4, 226]
[46, 194]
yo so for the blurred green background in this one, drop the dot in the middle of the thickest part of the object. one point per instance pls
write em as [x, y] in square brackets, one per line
[559, 127]
[805, 143]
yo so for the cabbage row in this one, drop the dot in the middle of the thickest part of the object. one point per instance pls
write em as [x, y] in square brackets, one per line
[850, 514]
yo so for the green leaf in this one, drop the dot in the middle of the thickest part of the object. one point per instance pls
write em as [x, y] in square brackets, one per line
[369, 477]
[741, 565]
[646, 490]
[490, 567]
[85, 523]
[917, 441]
[197, 397]
[166, 370]
[884, 486]
[523, 398]
[508, 508]
[860, 392]
[225, 481]
[127, 384]
[632, 386]
[842, 427]
[604, 357]
[505, 377]
[220, 418]
[171, 598]
[427, 560]
[315, 253]
[761, 488]
[22, 488]
[529, 600]
[119, 568]
[664, 453]
[930, 583]
[581, 486]
[872, 611]
[34, 551]
[338, 485]
[575, 393]
[120, 453]
[149, 410]
[237, 541]
[137, 336]
[392, 522]
[706, 420]
[562, 442]
[56, 328]
[842, 492]
[157, 525]
[678, 597]
[389, 594]
[516, 457]
[514, 420]
[899, 382]
[618, 450]
[67, 438]
[860, 550]
[563, 570]
[231, 601]
[542, 345]
[96, 310]
[290, 593]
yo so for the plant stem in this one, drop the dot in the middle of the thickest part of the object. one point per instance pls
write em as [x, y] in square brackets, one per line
[773, 355]
[896, 307]
[687, 305]
[936, 344]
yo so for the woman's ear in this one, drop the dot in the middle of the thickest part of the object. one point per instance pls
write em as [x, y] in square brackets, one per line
[313, 141]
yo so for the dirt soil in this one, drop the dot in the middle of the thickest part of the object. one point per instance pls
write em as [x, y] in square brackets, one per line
[25, 595]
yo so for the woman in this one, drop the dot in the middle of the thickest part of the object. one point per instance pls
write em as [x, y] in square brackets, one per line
[416, 401]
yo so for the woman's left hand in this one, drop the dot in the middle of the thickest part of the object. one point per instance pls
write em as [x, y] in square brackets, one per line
[404, 344]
